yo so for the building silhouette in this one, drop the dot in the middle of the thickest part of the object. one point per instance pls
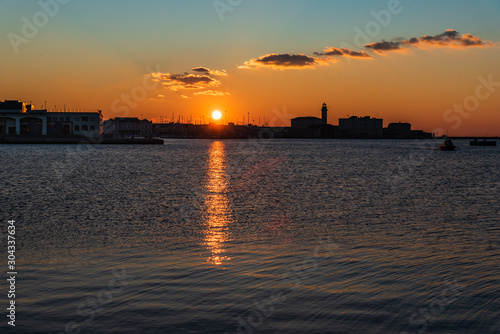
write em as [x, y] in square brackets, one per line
[324, 114]
[128, 127]
[310, 121]
[398, 130]
[361, 127]
[21, 119]
[306, 122]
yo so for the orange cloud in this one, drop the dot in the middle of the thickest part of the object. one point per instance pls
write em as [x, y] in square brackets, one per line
[281, 61]
[450, 38]
[207, 71]
[212, 93]
[302, 61]
[176, 82]
[380, 47]
[340, 52]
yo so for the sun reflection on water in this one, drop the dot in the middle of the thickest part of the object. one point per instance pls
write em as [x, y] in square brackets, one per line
[218, 213]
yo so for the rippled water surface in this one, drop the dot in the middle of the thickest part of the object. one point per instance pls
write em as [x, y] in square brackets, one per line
[197, 236]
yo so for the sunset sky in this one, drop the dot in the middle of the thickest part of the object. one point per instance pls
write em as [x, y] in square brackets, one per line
[432, 63]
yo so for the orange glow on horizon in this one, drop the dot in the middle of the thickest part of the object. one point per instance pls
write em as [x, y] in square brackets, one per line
[417, 86]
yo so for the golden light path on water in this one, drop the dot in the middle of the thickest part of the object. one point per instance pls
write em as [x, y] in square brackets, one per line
[218, 213]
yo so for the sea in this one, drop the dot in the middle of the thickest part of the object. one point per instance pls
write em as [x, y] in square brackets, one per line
[251, 236]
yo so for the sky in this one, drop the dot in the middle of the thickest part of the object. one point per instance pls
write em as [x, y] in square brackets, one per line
[431, 63]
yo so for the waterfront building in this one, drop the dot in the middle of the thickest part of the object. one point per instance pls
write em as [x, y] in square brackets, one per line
[306, 122]
[21, 119]
[398, 130]
[310, 121]
[324, 114]
[128, 127]
[361, 127]
[404, 131]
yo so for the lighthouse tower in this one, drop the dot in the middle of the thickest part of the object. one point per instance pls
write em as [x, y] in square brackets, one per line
[324, 114]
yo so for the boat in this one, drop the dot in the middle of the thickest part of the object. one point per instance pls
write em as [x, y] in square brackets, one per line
[483, 142]
[447, 145]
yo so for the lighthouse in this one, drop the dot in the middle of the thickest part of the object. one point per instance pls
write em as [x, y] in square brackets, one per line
[324, 114]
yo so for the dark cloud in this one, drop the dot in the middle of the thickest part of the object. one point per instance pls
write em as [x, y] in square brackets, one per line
[281, 61]
[450, 33]
[203, 70]
[286, 60]
[450, 38]
[384, 46]
[207, 71]
[185, 81]
[331, 52]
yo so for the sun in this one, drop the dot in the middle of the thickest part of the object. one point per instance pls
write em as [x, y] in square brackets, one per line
[216, 115]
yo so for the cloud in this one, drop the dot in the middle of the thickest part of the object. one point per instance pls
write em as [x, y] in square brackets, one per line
[302, 61]
[202, 81]
[450, 38]
[380, 47]
[341, 52]
[281, 61]
[212, 93]
[207, 71]
[176, 82]
[159, 97]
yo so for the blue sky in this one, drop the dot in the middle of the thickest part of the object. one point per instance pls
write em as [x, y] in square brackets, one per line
[261, 25]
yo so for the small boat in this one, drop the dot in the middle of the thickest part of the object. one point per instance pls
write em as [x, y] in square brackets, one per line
[483, 142]
[447, 145]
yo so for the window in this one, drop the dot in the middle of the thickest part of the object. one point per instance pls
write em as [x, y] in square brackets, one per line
[77, 118]
[61, 119]
[92, 128]
[91, 118]
[67, 119]
[85, 119]
[77, 128]
[85, 128]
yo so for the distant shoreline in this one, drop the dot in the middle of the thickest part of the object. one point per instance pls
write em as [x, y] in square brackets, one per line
[160, 141]
[74, 141]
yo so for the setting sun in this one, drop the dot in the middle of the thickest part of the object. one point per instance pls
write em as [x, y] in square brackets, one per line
[216, 115]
